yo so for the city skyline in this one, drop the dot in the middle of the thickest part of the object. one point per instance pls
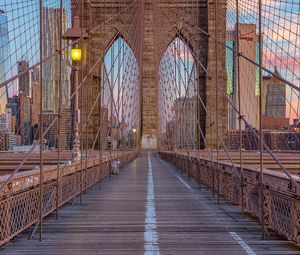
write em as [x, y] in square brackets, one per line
[284, 65]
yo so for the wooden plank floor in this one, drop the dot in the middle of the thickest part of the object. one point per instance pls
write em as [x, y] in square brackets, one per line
[112, 221]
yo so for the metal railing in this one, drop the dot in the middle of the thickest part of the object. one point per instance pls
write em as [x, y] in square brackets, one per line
[19, 205]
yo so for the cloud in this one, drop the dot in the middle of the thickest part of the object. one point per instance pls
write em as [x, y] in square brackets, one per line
[282, 62]
[181, 50]
[280, 29]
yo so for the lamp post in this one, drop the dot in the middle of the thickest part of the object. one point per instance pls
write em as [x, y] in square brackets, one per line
[74, 34]
[76, 58]
[134, 136]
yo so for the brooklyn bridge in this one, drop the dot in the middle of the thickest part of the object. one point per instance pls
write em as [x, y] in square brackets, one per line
[149, 127]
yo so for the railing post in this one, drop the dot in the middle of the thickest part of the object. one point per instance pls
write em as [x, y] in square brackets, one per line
[197, 172]
[189, 166]
[41, 125]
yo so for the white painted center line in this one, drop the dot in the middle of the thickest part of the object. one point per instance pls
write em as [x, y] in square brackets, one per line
[150, 235]
[185, 184]
[245, 246]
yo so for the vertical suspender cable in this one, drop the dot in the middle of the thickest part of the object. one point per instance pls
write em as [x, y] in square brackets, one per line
[86, 99]
[111, 84]
[238, 83]
[261, 144]
[103, 90]
[41, 123]
[178, 109]
[211, 142]
[59, 104]
[217, 99]
[81, 104]
[100, 126]
[118, 92]
[87, 135]
[99, 107]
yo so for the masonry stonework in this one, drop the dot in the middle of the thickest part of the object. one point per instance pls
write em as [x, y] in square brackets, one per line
[197, 16]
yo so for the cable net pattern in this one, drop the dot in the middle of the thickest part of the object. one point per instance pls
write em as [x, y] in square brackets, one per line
[43, 88]
[21, 210]
[281, 36]
[95, 105]
[177, 89]
[20, 50]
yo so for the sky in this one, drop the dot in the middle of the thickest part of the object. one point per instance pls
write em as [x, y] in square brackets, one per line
[23, 32]
[122, 75]
[281, 39]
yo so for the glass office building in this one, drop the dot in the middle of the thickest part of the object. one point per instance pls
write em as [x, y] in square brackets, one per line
[51, 72]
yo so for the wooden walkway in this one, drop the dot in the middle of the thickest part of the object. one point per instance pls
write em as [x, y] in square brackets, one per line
[123, 218]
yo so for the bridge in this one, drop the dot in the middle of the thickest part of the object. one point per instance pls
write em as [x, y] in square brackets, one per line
[149, 126]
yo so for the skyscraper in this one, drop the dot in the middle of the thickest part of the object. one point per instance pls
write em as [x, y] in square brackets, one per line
[7, 135]
[24, 81]
[20, 108]
[35, 96]
[248, 45]
[5, 121]
[276, 94]
[51, 42]
[275, 103]
[4, 62]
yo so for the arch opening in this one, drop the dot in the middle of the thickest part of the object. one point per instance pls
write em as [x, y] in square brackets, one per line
[177, 97]
[120, 102]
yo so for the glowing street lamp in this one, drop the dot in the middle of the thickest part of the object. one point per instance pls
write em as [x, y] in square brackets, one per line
[76, 54]
[76, 57]
[134, 136]
[74, 34]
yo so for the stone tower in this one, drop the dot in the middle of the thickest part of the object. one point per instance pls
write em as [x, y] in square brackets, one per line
[198, 16]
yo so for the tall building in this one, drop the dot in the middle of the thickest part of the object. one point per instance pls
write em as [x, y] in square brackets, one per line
[275, 104]
[35, 97]
[13, 123]
[104, 130]
[3, 141]
[51, 72]
[4, 59]
[11, 140]
[276, 95]
[24, 80]
[7, 136]
[13, 105]
[65, 130]
[249, 84]
[24, 119]
[5, 121]
[185, 122]
[51, 135]
[265, 81]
